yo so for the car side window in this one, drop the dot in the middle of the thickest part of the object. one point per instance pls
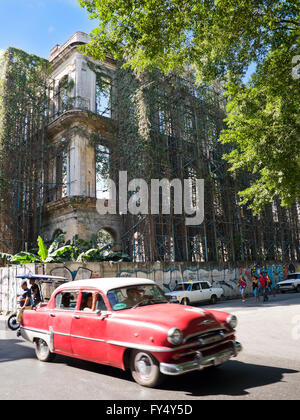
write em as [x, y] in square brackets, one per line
[92, 301]
[196, 286]
[205, 285]
[66, 300]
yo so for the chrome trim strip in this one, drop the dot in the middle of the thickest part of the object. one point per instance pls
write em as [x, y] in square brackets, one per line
[52, 333]
[35, 330]
[152, 349]
[87, 338]
[166, 349]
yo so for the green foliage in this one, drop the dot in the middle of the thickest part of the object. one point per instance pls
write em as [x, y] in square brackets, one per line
[79, 250]
[23, 91]
[43, 251]
[6, 257]
[264, 127]
[219, 40]
[24, 258]
[56, 243]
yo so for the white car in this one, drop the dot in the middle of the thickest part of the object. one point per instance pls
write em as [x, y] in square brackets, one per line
[187, 293]
[290, 284]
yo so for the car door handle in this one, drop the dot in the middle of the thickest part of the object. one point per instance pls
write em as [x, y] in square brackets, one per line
[76, 316]
[52, 314]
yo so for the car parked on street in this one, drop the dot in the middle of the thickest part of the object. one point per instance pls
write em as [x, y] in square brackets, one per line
[194, 292]
[128, 323]
[290, 284]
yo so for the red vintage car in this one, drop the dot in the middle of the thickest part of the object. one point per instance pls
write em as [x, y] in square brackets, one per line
[128, 323]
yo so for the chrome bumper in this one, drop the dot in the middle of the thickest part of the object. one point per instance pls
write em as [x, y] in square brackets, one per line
[201, 362]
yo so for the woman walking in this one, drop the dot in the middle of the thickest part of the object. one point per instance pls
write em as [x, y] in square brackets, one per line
[242, 287]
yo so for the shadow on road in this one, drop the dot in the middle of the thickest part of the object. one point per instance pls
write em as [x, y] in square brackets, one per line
[14, 349]
[232, 379]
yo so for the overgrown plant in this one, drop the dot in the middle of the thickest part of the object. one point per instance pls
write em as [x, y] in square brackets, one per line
[77, 250]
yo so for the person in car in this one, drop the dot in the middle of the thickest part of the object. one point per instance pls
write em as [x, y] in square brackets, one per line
[25, 301]
[134, 296]
[35, 293]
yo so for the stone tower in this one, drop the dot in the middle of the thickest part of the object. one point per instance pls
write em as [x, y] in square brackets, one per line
[80, 109]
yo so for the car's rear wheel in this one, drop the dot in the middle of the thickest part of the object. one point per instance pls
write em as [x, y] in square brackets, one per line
[145, 369]
[213, 299]
[42, 351]
[12, 322]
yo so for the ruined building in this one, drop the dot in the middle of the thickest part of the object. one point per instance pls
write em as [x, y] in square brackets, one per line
[70, 123]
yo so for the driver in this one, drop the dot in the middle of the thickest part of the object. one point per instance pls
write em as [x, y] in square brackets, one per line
[134, 296]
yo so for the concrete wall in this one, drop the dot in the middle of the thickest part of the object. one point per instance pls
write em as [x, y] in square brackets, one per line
[165, 275]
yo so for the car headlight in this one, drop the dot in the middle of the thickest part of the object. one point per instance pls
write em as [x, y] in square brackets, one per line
[175, 336]
[232, 321]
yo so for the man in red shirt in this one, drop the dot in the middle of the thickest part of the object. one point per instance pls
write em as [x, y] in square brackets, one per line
[263, 282]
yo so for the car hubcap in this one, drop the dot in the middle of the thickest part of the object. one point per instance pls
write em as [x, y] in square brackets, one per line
[43, 348]
[13, 323]
[143, 365]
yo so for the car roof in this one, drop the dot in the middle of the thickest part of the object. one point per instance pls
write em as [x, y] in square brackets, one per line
[106, 283]
[193, 281]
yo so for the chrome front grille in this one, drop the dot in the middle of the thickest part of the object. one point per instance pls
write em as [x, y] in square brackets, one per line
[205, 341]
[208, 336]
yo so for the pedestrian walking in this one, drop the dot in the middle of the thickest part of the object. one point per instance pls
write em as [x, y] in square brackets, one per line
[255, 288]
[242, 287]
[262, 287]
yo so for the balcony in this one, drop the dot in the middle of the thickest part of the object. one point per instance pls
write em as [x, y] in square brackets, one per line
[59, 107]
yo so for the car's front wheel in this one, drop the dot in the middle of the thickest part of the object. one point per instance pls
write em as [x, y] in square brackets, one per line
[185, 301]
[298, 288]
[42, 351]
[145, 369]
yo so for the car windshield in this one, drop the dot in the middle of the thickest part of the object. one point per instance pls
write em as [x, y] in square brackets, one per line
[183, 286]
[134, 296]
[293, 276]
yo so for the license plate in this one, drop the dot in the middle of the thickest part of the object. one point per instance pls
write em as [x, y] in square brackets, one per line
[221, 359]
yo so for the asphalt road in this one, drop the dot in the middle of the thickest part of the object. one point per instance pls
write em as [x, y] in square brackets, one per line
[268, 367]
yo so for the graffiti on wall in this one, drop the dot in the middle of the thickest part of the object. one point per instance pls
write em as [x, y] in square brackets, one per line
[227, 279]
[81, 273]
[167, 279]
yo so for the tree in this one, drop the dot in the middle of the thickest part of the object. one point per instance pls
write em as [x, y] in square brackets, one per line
[220, 40]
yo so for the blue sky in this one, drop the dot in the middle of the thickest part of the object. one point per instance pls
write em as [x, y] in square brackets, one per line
[35, 26]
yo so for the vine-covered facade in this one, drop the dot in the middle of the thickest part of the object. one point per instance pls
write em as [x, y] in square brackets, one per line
[71, 123]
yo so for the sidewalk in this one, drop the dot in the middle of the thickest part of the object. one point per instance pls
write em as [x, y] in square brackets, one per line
[3, 321]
